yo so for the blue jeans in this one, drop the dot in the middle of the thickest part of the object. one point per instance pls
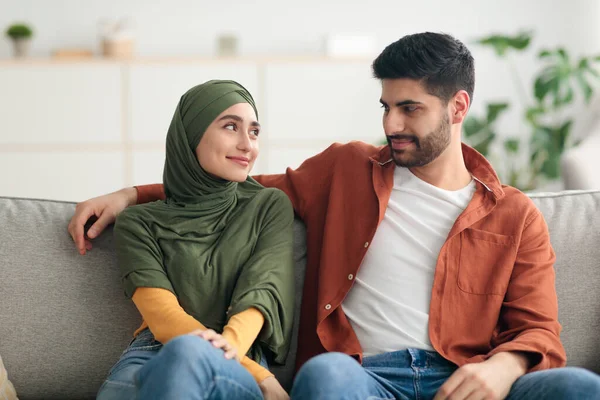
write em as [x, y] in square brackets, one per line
[418, 374]
[187, 367]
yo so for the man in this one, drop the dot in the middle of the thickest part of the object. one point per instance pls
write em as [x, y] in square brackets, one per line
[421, 266]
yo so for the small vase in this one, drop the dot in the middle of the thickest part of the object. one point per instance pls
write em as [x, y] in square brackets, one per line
[21, 47]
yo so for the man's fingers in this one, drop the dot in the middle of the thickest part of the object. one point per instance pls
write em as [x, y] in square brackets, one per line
[467, 389]
[103, 221]
[88, 245]
[76, 228]
[478, 395]
[450, 385]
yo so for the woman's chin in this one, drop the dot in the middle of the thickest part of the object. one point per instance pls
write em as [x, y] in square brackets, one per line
[238, 178]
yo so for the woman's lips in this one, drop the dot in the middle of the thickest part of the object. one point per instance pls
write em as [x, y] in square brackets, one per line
[243, 161]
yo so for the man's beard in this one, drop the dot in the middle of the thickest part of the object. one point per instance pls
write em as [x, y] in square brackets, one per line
[426, 149]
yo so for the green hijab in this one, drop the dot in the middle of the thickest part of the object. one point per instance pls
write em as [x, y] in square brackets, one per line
[221, 247]
[184, 179]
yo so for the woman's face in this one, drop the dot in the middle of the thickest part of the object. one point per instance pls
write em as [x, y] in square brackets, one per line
[229, 146]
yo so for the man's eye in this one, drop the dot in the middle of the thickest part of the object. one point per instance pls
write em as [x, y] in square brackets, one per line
[410, 108]
[255, 132]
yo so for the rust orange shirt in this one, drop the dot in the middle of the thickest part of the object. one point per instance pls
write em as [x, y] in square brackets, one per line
[493, 287]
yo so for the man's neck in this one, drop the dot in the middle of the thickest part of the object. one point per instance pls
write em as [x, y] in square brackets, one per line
[447, 172]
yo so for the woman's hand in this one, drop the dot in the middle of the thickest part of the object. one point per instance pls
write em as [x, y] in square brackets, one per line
[219, 342]
[272, 390]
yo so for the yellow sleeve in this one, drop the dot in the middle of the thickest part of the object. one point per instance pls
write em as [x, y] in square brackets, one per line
[243, 328]
[167, 319]
[241, 331]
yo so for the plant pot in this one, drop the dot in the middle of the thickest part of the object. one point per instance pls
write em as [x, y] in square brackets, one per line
[21, 47]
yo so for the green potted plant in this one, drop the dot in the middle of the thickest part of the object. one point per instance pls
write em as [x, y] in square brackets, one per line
[531, 158]
[20, 34]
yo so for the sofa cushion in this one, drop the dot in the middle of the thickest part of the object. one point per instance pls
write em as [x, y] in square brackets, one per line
[60, 337]
[573, 218]
[59, 333]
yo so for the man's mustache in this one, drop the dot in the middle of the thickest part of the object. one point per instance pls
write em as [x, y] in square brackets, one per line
[403, 136]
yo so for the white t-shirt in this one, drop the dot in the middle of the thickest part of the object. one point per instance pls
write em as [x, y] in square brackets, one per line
[388, 305]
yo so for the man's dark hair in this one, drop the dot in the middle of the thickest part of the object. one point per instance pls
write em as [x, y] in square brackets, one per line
[440, 62]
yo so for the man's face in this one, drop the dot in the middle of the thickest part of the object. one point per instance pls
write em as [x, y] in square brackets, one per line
[416, 123]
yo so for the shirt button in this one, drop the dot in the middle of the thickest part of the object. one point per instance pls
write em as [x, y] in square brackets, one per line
[366, 244]
[350, 277]
[328, 307]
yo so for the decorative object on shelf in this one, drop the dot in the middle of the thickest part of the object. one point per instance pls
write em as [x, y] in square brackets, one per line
[117, 38]
[72, 53]
[350, 45]
[227, 45]
[531, 158]
[21, 35]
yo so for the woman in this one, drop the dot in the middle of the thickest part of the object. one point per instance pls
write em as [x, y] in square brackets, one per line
[215, 256]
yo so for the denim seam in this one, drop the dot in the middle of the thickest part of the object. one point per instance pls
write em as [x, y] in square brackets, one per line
[235, 383]
[150, 347]
[119, 383]
[210, 390]
[416, 383]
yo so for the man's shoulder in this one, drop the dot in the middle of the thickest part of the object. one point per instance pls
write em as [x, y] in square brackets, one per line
[518, 202]
[353, 150]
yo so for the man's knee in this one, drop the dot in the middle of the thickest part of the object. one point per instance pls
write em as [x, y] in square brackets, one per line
[326, 372]
[559, 383]
[573, 382]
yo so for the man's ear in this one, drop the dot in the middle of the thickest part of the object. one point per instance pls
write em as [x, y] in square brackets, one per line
[459, 106]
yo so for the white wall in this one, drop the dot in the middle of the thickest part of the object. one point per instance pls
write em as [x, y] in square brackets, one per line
[282, 27]
[175, 27]
[267, 27]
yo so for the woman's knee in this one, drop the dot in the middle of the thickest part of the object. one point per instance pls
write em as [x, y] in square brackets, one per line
[190, 347]
[328, 370]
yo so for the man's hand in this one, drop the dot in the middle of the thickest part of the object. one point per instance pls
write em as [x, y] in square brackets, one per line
[488, 380]
[219, 342]
[105, 208]
[272, 390]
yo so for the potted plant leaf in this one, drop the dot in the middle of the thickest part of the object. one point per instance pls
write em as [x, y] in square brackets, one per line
[20, 34]
[531, 158]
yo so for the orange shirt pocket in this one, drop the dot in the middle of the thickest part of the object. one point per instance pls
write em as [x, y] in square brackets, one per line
[486, 262]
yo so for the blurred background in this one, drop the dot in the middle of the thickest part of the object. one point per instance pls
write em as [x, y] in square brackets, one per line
[88, 88]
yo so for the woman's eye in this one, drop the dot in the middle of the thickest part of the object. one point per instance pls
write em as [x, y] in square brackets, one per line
[255, 132]
[231, 127]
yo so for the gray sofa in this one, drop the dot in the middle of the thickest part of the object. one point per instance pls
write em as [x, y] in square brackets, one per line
[64, 319]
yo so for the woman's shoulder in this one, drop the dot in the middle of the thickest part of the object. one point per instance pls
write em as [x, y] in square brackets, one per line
[267, 199]
[138, 213]
[268, 195]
